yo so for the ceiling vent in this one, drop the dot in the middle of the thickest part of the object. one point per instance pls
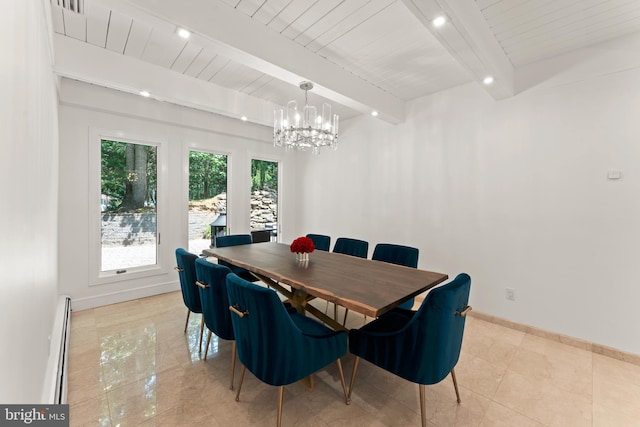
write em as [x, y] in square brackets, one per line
[76, 6]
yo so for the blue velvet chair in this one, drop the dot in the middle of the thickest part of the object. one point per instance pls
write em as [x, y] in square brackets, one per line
[186, 268]
[236, 240]
[353, 247]
[233, 240]
[420, 346]
[278, 347]
[320, 241]
[212, 285]
[400, 255]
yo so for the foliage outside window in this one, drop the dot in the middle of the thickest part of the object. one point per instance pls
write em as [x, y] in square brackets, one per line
[128, 205]
[207, 196]
[128, 176]
[264, 197]
[207, 175]
[264, 175]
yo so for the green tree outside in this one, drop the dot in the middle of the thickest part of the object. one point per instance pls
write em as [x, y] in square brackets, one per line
[128, 175]
[264, 175]
[207, 175]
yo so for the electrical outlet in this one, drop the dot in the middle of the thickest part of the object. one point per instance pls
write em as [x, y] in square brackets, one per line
[511, 294]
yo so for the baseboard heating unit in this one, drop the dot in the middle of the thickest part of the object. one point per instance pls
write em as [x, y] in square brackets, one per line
[57, 372]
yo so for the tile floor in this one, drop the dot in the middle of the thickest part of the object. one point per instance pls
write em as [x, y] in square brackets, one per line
[131, 364]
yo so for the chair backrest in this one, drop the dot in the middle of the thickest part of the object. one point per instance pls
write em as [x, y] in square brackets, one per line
[186, 262]
[320, 241]
[396, 254]
[434, 335]
[214, 299]
[269, 343]
[263, 337]
[233, 240]
[353, 247]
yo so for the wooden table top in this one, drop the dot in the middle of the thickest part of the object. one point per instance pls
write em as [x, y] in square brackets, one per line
[368, 287]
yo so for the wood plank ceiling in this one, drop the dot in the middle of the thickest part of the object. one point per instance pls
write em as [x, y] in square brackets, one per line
[381, 42]
[536, 29]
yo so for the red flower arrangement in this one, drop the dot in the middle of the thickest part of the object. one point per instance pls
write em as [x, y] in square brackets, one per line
[302, 245]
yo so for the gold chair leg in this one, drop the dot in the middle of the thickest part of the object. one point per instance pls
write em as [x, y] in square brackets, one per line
[455, 384]
[353, 378]
[201, 333]
[240, 382]
[344, 384]
[206, 347]
[187, 322]
[233, 364]
[423, 410]
[280, 398]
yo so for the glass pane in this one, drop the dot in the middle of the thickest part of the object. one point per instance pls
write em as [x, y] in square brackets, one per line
[264, 200]
[128, 203]
[207, 199]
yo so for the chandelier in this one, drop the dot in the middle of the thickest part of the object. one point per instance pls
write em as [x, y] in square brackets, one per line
[307, 129]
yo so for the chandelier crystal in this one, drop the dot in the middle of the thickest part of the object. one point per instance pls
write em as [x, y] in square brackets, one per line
[307, 129]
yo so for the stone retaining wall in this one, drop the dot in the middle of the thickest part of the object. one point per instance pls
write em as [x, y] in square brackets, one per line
[140, 228]
[128, 229]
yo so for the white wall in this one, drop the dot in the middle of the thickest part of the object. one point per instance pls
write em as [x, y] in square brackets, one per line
[85, 107]
[513, 192]
[29, 199]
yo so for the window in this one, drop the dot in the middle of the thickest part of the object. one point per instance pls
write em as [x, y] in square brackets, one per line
[125, 208]
[264, 200]
[207, 198]
[128, 205]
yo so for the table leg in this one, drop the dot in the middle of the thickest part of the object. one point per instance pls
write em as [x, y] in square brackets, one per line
[299, 299]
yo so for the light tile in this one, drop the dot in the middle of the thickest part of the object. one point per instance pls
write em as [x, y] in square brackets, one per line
[479, 375]
[501, 416]
[566, 367]
[616, 387]
[133, 364]
[82, 319]
[604, 416]
[493, 343]
[540, 399]
[91, 412]
[84, 384]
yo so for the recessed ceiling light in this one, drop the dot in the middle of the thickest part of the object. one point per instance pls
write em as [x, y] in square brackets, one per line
[145, 93]
[439, 21]
[243, 118]
[488, 80]
[374, 113]
[185, 34]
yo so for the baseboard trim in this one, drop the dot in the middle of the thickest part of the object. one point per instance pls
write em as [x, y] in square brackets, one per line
[604, 350]
[124, 295]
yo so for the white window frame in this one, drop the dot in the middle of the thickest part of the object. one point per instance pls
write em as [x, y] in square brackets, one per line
[96, 276]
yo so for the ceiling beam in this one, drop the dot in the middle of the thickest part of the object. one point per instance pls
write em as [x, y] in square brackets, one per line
[241, 38]
[91, 64]
[469, 39]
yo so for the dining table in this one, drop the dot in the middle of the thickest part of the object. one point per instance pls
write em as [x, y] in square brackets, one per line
[365, 286]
